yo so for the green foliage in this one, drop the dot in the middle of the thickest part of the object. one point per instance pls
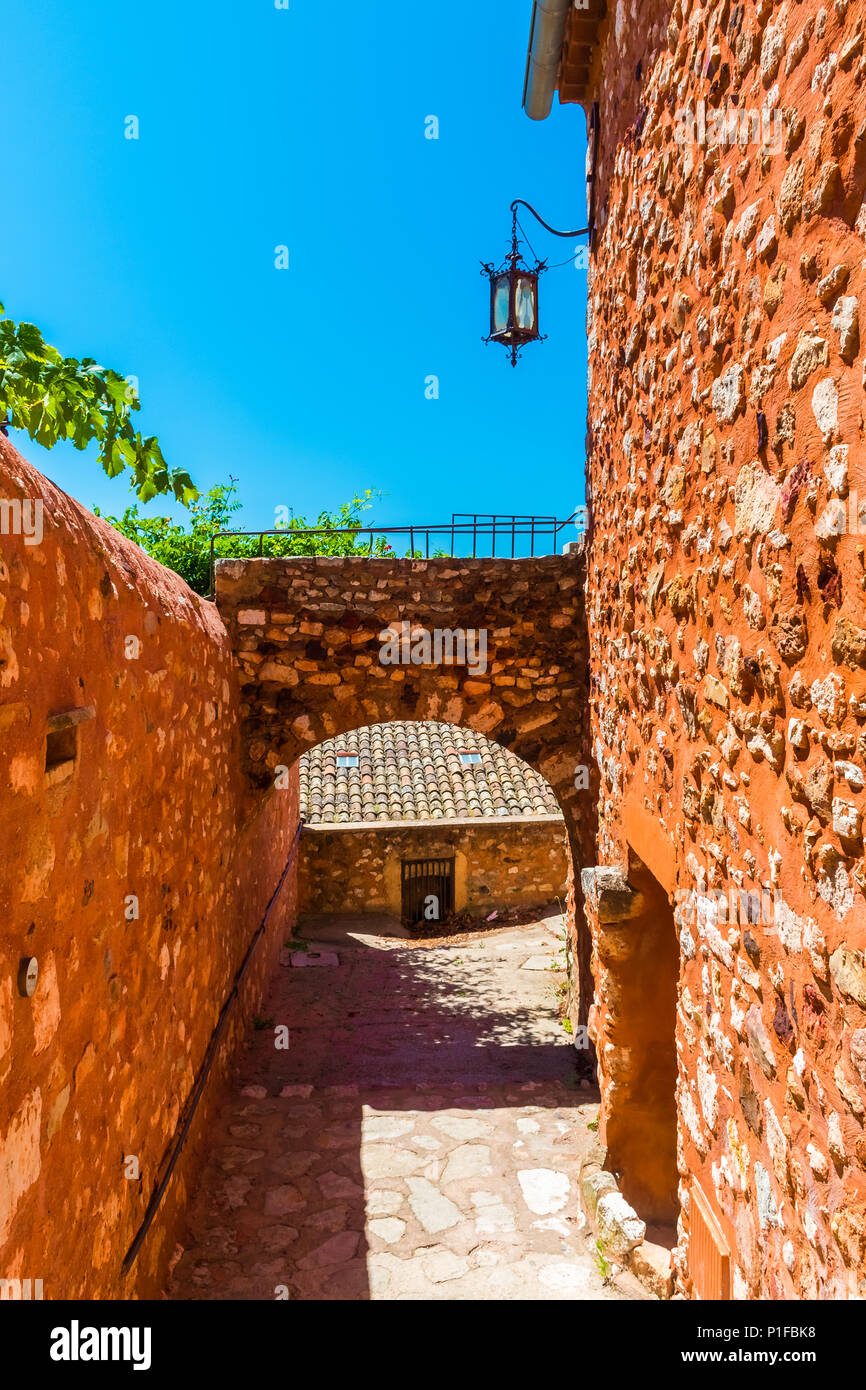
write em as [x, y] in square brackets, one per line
[602, 1264]
[186, 549]
[54, 397]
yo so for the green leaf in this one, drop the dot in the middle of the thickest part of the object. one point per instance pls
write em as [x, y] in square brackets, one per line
[54, 397]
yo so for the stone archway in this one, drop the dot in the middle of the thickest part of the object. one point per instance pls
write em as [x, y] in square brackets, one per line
[308, 635]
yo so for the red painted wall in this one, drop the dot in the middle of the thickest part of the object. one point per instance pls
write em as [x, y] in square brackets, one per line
[98, 1064]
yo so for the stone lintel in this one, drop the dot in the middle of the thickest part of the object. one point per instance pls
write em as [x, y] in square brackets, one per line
[610, 894]
[67, 719]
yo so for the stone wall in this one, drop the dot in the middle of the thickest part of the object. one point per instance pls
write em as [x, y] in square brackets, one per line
[508, 863]
[726, 609]
[135, 868]
[307, 637]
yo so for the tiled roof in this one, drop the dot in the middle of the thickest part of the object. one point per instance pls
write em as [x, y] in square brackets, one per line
[413, 772]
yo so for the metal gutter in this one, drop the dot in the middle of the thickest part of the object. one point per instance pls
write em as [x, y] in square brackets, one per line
[543, 56]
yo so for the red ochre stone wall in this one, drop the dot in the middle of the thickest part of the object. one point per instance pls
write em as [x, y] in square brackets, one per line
[137, 878]
[727, 615]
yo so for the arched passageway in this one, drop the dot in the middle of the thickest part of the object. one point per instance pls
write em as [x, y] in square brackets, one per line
[328, 645]
[420, 1132]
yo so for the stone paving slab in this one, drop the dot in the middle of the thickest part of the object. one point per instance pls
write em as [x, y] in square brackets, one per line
[420, 1139]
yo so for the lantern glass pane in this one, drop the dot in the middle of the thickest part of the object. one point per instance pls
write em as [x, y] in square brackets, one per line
[524, 304]
[500, 304]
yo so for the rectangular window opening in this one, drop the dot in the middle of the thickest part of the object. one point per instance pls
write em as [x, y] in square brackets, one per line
[61, 750]
[61, 743]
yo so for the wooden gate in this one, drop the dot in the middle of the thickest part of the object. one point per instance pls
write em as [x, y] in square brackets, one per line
[428, 890]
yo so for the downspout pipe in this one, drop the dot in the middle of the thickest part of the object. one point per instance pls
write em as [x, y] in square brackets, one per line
[542, 60]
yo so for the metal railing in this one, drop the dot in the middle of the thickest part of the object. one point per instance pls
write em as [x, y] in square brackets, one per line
[475, 535]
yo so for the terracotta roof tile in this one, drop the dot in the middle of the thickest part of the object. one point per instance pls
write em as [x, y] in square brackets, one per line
[410, 771]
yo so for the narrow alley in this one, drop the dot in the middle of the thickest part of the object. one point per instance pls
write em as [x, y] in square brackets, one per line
[420, 1138]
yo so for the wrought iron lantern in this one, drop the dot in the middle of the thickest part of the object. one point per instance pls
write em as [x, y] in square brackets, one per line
[514, 292]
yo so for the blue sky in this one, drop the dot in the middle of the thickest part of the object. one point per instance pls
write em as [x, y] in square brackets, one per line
[303, 127]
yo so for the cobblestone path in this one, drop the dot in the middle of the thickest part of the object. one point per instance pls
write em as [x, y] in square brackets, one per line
[419, 1139]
